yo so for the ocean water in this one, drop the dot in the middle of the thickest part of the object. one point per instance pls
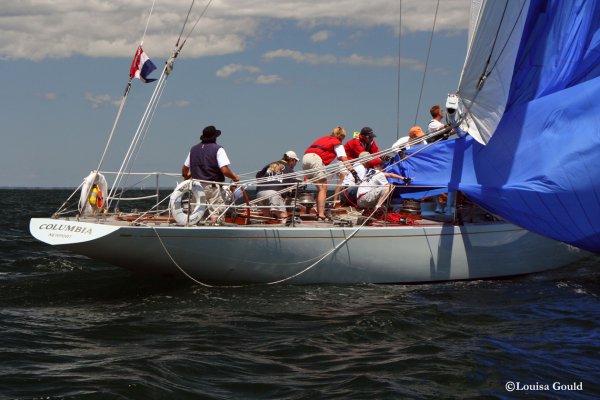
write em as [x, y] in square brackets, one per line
[74, 328]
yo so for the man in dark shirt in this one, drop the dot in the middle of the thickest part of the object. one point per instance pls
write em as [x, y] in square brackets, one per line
[208, 162]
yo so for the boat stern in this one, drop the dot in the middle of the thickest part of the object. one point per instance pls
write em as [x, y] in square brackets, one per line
[59, 232]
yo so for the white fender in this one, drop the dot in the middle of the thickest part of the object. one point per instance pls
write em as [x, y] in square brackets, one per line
[197, 199]
[85, 208]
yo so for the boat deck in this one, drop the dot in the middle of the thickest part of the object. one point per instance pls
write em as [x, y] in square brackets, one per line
[340, 218]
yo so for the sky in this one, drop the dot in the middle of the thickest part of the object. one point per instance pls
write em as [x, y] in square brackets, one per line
[272, 75]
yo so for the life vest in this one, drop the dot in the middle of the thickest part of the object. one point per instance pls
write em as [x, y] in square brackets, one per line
[356, 146]
[95, 198]
[325, 148]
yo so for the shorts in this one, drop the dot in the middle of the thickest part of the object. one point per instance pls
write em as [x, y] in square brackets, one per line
[311, 161]
[371, 197]
[272, 198]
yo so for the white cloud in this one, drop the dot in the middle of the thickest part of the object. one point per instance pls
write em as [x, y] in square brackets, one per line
[101, 100]
[307, 58]
[247, 73]
[39, 29]
[320, 36]
[268, 79]
[230, 69]
[354, 59]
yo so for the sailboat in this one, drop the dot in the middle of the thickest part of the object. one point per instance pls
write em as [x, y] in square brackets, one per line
[524, 190]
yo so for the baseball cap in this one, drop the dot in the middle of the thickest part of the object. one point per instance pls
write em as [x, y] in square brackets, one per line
[366, 131]
[292, 154]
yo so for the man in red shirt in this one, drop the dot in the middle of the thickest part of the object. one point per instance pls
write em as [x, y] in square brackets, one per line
[364, 142]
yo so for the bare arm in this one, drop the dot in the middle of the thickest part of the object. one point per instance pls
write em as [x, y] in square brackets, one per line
[185, 172]
[392, 175]
[346, 163]
[229, 173]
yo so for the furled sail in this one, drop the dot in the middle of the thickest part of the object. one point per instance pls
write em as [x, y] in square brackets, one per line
[540, 168]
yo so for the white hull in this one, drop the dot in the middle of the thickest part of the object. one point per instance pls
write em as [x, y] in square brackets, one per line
[263, 254]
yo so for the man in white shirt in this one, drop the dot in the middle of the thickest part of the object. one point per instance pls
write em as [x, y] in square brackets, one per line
[437, 114]
[375, 188]
[406, 142]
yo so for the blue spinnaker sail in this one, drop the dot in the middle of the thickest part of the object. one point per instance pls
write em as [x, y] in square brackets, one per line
[541, 168]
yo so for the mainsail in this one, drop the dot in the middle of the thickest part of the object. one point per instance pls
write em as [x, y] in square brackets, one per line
[539, 168]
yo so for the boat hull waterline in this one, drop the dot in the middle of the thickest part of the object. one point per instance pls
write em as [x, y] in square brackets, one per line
[247, 254]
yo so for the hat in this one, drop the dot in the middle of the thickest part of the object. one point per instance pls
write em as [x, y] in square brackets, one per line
[292, 154]
[363, 157]
[367, 132]
[210, 132]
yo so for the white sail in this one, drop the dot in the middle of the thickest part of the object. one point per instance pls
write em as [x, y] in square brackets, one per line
[474, 17]
[487, 73]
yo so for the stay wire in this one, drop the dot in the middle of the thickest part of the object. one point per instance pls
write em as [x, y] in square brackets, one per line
[153, 103]
[197, 21]
[398, 73]
[487, 72]
[185, 23]
[427, 61]
[147, 23]
[121, 106]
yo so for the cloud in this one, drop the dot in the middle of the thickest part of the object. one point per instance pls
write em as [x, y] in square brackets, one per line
[247, 73]
[231, 69]
[320, 36]
[101, 100]
[306, 58]
[268, 79]
[353, 59]
[41, 29]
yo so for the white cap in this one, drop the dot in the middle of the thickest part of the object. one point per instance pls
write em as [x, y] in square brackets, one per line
[292, 154]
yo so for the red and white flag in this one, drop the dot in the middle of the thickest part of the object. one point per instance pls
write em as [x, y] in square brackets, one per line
[141, 66]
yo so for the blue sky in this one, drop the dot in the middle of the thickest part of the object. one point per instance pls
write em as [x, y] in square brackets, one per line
[272, 75]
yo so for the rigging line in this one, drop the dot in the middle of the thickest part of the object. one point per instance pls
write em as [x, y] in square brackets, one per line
[61, 208]
[143, 135]
[507, 40]
[127, 157]
[185, 23]
[114, 127]
[427, 61]
[111, 134]
[266, 283]
[484, 73]
[147, 23]
[123, 99]
[343, 242]
[125, 95]
[195, 24]
[154, 100]
[398, 86]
